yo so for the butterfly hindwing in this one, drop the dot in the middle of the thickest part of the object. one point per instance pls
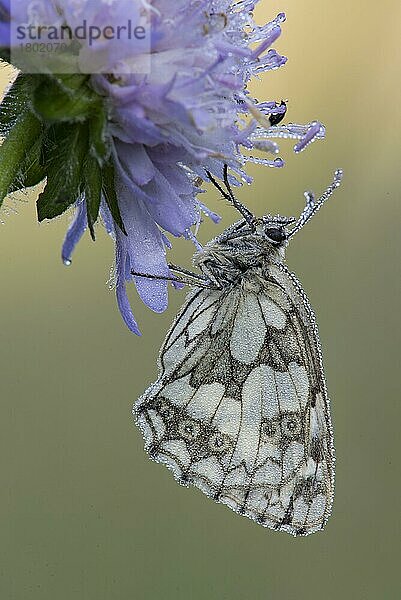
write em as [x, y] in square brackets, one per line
[240, 409]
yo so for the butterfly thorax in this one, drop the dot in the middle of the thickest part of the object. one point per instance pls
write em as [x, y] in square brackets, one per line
[230, 257]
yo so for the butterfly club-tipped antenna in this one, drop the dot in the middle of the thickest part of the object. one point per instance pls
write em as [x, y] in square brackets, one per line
[312, 205]
[229, 195]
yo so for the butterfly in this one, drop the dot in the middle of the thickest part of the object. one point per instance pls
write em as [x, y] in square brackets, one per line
[240, 408]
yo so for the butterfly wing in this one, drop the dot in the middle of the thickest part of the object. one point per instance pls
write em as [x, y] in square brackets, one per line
[240, 409]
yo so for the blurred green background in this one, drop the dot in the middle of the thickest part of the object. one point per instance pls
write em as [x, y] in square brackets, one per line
[84, 514]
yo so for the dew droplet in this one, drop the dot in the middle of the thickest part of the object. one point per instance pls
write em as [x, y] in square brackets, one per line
[67, 262]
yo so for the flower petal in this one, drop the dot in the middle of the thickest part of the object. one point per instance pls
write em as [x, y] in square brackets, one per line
[74, 232]
[144, 247]
[121, 293]
[136, 162]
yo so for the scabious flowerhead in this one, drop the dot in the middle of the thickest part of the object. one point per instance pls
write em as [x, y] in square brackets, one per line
[131, 132]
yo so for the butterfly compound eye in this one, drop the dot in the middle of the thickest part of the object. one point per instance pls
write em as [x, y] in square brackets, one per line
[276, 234]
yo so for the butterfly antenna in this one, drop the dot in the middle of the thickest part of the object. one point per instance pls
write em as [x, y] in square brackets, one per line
[312, 205]
[228, 195]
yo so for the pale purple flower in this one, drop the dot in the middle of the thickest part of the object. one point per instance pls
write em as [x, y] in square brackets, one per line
[190, 113]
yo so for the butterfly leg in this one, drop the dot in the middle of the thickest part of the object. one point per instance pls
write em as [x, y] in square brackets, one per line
[183, 280]
[188, 273]
[211, 281]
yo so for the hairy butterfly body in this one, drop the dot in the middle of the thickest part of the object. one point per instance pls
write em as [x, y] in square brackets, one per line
[240, 408]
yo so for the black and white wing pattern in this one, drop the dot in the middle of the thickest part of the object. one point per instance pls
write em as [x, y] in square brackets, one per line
[240, 409]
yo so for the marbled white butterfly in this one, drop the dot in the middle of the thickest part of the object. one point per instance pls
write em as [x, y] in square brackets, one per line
[240, 408]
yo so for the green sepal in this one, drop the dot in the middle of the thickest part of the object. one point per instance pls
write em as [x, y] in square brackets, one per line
[71, 81]
[93, 191]
[110, 195]
[66, 147]
[14, 149]
[56, 99]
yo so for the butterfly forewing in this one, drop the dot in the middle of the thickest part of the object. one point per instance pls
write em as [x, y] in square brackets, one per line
[240, 408]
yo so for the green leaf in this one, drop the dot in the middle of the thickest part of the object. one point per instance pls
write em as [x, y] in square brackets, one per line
[99, 139]
[54, 101]
[66, 147]
[5, 54]
[93, 191]
[31, 171]
[110, 195]
[15, 102]
[21, 137]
